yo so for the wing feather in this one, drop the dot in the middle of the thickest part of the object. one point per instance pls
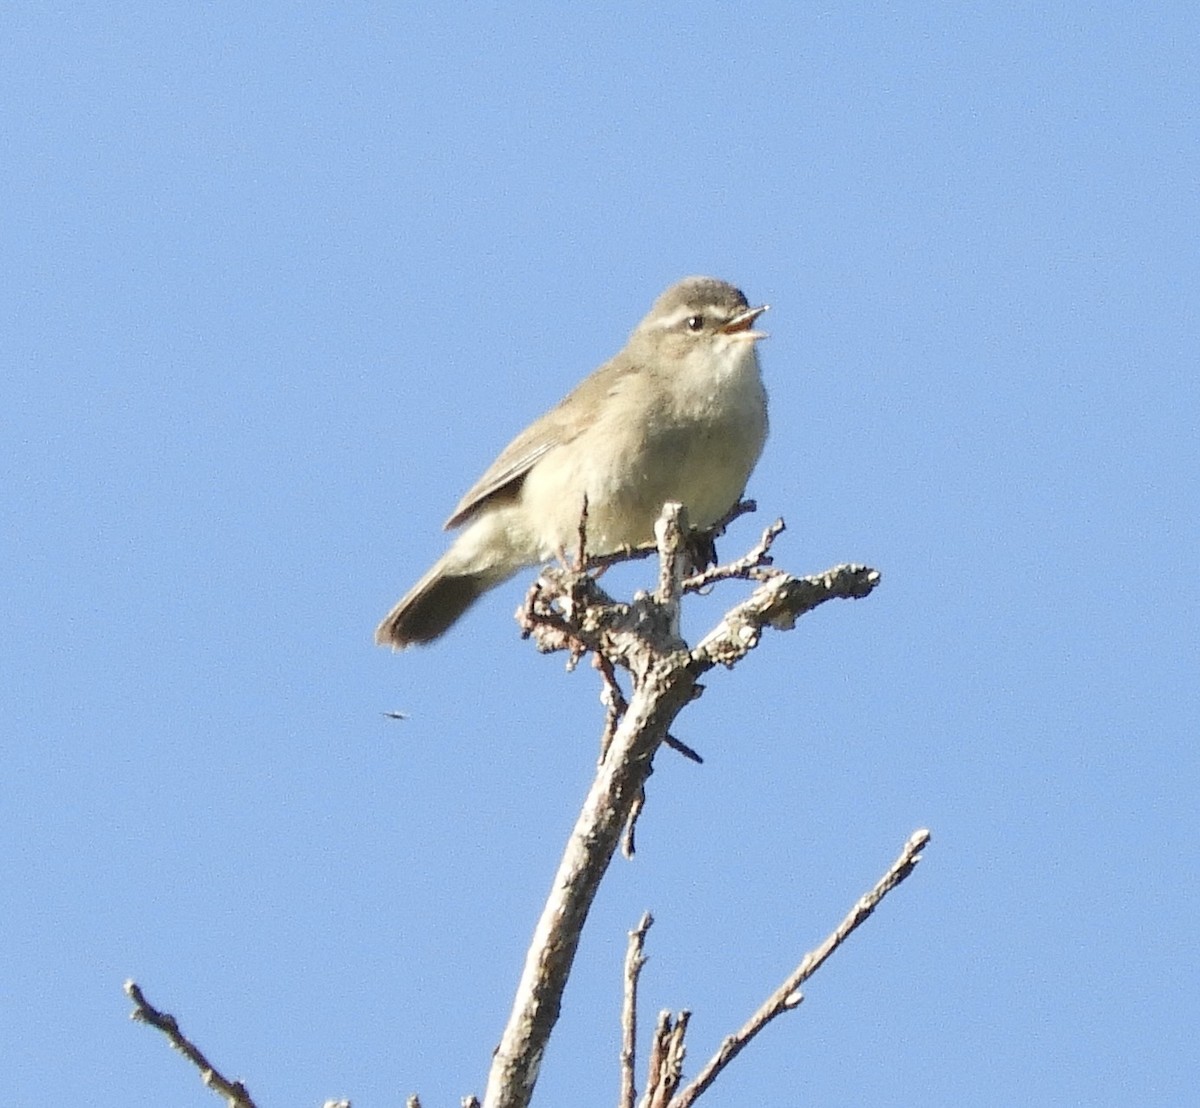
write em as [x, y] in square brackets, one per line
[505, 475]
[559, 426]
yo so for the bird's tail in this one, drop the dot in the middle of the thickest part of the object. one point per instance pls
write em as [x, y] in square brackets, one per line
[433, 605]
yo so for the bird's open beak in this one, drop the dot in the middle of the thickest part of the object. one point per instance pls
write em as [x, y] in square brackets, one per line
[740, 323]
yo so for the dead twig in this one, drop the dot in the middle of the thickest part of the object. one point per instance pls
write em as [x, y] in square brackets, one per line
[706, 538]
[788, 995]
[634, 961]
[234, 1092]
[755, 565]
[666, 1059]
[778, 602]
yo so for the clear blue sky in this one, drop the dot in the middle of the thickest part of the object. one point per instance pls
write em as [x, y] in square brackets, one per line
[278, 282]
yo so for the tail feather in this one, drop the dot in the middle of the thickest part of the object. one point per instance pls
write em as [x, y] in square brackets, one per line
[431, 606]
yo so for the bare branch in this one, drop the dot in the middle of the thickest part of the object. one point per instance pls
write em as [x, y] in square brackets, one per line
[581, 543]
[670, 530]
[788, 995]
[658, 1043]
[568, 610]
[612, 698]
[666, 1059]
[234, 1092]
[708, 538]
[629, 834]
[754, 565]
[614, 707]
[640, 638]
[778, 603]
[663, 691]
[680, 747]
[741, 508]
[634, 960]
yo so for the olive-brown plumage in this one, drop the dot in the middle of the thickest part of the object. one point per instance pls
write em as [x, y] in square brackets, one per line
[679, 414]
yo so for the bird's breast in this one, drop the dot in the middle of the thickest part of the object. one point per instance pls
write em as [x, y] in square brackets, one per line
[693, 438]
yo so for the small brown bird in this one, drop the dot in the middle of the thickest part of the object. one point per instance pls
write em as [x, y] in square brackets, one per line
[679, 414]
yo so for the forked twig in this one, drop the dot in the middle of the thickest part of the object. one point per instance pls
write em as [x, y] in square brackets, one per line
[646, 550]
[569, 611]
[666, 1059]
[754, 565]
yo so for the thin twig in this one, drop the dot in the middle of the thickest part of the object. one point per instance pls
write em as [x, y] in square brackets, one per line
[581, 548]
[634, 960]
[234, 1092]
[753, 565]
[741, 508]
[666, 1059]
[646, 550]
[658, 1044]
[680, 747]
[614, 703]
[629, 835]
[788, 995]
[611, 697]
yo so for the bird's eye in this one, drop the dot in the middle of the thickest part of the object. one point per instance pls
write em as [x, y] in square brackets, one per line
[695, 323]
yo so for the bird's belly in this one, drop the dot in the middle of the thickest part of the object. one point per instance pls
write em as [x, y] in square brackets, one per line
[703, 465]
